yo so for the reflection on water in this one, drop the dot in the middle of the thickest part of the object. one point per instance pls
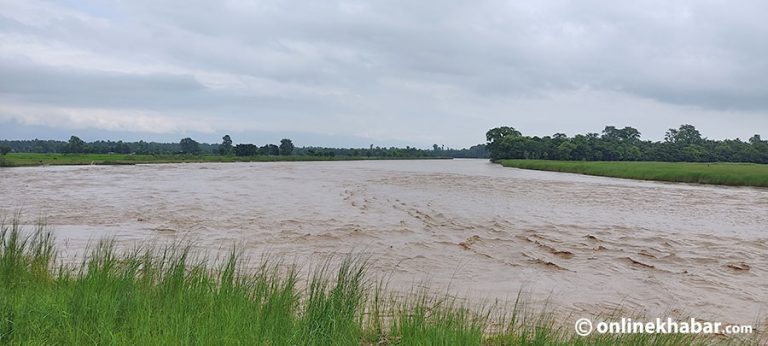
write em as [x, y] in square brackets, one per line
[584, 243]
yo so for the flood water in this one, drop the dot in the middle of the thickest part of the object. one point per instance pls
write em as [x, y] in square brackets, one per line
[584, 244]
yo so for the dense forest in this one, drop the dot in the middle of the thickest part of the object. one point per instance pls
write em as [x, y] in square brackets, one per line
[684, 144]
[75, 145]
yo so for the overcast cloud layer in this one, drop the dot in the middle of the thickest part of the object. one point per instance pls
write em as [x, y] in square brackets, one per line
[348, 73]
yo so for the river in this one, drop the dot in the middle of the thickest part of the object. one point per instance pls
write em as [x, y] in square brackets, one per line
[581, 244]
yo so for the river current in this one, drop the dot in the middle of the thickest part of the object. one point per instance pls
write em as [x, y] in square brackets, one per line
[581, 244]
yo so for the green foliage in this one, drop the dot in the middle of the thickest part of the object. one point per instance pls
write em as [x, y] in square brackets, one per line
[226, 146]
[4, 149]
[286, 147]
[168, 295]
[685, 135]
[734, 174]
[683, 144]
[75, 145]
[270, 150]
[503, 141]
[189, 146]
[246, 150]
[499, 133]
[225, 149]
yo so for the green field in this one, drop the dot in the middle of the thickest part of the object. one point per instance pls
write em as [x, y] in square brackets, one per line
[733, 174]
[170, 296]
[33, 159]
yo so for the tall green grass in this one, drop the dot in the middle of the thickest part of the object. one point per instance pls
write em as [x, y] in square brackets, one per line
[168, 295]
[37, 159]
[733, 174]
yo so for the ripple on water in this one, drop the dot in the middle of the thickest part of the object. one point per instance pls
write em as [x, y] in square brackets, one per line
[581, 243]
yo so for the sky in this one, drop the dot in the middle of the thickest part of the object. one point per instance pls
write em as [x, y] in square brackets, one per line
[389, 73]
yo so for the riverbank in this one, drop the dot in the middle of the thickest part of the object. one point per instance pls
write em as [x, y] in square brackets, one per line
[731, 174]
[172, 296]
[35, 159]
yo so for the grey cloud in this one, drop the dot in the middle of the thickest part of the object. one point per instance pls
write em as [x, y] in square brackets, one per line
[336, 60]
[68, 87]
[81, 87]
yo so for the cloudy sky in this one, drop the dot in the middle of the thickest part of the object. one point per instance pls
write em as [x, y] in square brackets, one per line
[350, 73]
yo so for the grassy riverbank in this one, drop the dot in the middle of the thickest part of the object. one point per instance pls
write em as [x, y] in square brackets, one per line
[34, 159]
[733, 174]
[171, 296]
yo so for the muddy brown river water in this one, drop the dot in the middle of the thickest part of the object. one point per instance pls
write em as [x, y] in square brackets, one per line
[585, 245]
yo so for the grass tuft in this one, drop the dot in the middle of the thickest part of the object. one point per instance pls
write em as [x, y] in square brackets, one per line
[168, 295]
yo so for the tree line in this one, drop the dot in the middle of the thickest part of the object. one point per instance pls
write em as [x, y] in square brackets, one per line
[684, 144]
[189, 146]
[75, 145]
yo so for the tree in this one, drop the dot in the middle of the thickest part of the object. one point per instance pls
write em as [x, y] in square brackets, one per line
[286, 147]
[627, 134]
[75, 145]
[226, 145]
[496, 137]
[560, 137]
[245, 150]
[565, 149]
[142, 147]
[269, 149]
[630, 134]
[189, 146]
[611, 133]
[4, 149]
[500, 132]
[670, 136]
[685, 135]
[121, 148]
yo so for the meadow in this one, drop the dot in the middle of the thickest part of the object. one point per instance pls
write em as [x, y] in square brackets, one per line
[732, 174]
[170, 295]
[36, 159]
